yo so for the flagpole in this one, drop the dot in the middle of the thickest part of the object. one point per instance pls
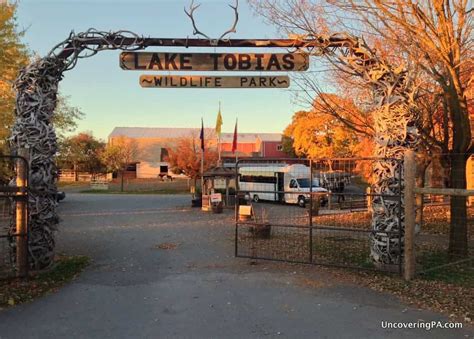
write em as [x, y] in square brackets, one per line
[202, 156]
[202, 170]
[237, 136]
[219, 150]
[219, 142]
[235, 142]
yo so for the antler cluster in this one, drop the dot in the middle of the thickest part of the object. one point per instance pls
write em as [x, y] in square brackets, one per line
[190, 14]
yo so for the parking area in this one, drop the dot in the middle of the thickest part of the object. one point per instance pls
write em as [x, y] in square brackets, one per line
[162, 269]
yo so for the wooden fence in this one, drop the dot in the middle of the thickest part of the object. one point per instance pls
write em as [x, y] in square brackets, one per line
[410, 193]
[73, 176]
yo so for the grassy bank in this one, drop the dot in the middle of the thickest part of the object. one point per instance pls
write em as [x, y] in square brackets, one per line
[17, 291]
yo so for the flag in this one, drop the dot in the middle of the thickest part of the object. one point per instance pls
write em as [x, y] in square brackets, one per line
[201, 136]
[234, 143]
[219, 122]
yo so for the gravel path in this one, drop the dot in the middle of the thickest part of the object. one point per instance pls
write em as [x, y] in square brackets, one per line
[163, 270]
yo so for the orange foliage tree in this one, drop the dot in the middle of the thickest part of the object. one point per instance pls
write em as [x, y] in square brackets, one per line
[185, 156]
[321, 134]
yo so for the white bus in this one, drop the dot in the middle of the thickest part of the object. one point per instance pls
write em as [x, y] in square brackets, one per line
[269, 182]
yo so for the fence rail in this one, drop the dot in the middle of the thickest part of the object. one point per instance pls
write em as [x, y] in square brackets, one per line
[430, 247]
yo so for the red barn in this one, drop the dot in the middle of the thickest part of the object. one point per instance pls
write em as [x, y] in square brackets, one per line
[265, 145]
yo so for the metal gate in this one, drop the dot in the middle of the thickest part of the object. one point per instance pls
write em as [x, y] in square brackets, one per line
[13, 216]
[315, 212]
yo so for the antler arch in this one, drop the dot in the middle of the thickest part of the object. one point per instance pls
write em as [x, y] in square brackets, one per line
[37, 87]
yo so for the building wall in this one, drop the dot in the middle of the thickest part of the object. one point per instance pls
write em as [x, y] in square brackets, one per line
[149, 149]
[150, 170]
[152, 150]
[266, 149]
[270, 150]
[241, 147]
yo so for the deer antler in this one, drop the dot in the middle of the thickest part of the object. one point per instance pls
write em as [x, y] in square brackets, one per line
[234, 26]
[190, 14]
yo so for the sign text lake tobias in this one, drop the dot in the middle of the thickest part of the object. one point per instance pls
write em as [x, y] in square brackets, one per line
[238, 62]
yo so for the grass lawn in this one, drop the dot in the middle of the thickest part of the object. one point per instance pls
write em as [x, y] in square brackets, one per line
[341, 250]
[163, 191]
[17, 291]
[131, 186]
[436, 265]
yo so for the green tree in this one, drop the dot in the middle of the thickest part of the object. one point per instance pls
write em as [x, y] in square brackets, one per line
[65, 116]
[118, 154]
[14, 55]
[81, 152]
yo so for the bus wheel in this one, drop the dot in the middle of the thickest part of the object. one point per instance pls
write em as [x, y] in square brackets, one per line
[256, 198]
[301, 202]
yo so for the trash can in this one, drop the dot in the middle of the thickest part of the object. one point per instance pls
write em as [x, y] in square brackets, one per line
[217, 207]
[196, 202]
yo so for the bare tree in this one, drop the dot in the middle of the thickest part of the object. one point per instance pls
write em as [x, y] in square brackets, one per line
[433, 39]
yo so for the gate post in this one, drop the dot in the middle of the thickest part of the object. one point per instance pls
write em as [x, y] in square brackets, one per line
[21, 213]
[409, 196]
[310, 214]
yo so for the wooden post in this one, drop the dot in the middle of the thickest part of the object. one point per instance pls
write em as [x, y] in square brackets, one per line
[21, 215]
[226, 191]
[409, 194]
[368, 191]
[76, 177]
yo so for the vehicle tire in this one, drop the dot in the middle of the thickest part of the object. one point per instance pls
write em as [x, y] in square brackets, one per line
[301, 202]
[256, 198]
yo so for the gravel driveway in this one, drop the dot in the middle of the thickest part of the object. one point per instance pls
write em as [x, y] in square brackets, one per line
[163, 270]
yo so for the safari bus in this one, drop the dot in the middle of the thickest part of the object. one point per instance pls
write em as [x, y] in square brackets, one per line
[283, 183]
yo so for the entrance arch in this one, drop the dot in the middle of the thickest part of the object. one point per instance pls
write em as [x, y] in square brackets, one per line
[395, 118]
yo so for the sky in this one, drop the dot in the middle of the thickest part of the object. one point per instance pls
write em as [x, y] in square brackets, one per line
[110, 96]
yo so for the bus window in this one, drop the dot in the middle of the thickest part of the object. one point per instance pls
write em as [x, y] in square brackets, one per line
[293, 184]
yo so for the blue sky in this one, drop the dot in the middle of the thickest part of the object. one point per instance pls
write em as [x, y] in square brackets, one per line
[112, 97]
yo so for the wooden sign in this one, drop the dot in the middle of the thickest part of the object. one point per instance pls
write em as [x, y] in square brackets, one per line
[219, 183]
[244, 62]
[187, 81]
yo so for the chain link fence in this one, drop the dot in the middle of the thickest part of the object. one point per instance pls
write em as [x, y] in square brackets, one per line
[317, 212]
[437, 249]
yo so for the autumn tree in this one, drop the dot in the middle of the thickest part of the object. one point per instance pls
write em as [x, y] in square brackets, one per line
[318, 133]
[433, 39]
[13, 56]
[118, 154]
[185, 155]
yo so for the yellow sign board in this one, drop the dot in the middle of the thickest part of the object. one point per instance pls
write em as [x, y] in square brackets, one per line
[210, 62]
[186, 81]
